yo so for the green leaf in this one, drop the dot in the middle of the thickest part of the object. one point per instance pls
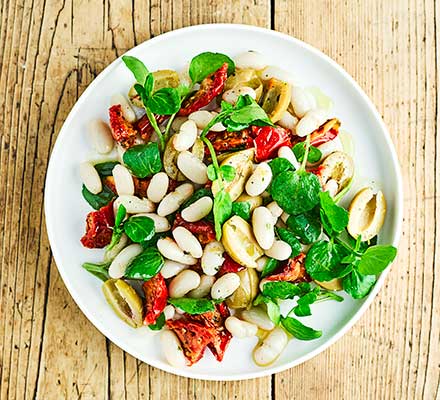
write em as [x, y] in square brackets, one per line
[284, 290]
[145, 265]
[296, 192]
[291, 240]
[106, 168]
[273, 311]
[242, 209]
[120, 215]
[165, 101]
[302, 309]
[197, 195]
[183, 90]
[99, 200]
[334, 218]
[211, 172]
[270, 267]
[137, 67]
[192, 306]
[376, 259]
[358, 285]
[207, 63]
[99, 270]
[139, 229]
[306, 226]
[327, 295]
[160, 322]
[153, 241]
[143, 160]
[299, 330]
[314, 153]
[279, 165]
[149, 85]
[222, 210]
[323, 261]
[228, 172]
[118, 229]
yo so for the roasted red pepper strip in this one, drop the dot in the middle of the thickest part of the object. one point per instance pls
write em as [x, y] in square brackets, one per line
[99, 227]
[145, 128]
[229, 265]
[123, 131]
[293, 271]
[156, 296]
[227, 141]
[204, 230]
[210, 87]
[268, 140]
[193, 336]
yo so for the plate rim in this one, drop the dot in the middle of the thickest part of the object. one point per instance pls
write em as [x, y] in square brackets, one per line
[396, 229]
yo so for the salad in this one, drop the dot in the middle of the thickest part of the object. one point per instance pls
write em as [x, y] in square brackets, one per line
[217, 195]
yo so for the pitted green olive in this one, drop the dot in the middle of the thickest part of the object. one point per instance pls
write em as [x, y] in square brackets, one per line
[124, 300]
[170, 162]
[276, 98]
[334, 284]
[246, 292]
[246, 77]
[336, 172]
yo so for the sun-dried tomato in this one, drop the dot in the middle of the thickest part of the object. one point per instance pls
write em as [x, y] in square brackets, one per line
[145, 128]
[293, 271]
[109, 181]
[123, 131]
[156, 296]
[99, 227]
[318, 137]
[268, 140]
[172, 185]
[229, 265]
[204, 230]
[141, 186]
[193, 336]
[210, 87]
[227, 141]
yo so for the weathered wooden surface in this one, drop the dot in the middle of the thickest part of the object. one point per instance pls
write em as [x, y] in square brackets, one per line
[50, 51]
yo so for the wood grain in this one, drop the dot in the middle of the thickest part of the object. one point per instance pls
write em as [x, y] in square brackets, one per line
[51, 51]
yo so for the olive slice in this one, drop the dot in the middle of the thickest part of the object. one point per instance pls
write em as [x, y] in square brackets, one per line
[334, 284]
[246, 292]
[276, 98]
[170, 162]
[336, 172]
[246, 77]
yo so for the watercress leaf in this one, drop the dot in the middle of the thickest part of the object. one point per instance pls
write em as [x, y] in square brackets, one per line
[273, 311]
[302, 308]
[137, 67]
[323, 261]
[145, 265]
[106, 168]
[148, 85]
[140, 90]
[225, 106]
[314, 153]
[232, 126]
[249, 113]
[242, 209]
[160, 322]
[299, 330]
[153, 241]
[270, 267]
[165, 101]
[183, 90]
[98, 200]
[296, 192]
[192, 306]
[358, 285]
[143, 160]
[291, 240]
[279, 165]
[222, 210]
[198, 194]
[99, 270]
[327, 295]
[228, 172]
[306, 226]
[376, 259]
[283, 290]
[120, 215]
[139, 229]
[333, 217]
[350, 259]
[207, 63]
[211, 172]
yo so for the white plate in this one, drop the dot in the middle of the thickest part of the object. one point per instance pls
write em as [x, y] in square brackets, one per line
[65, 208]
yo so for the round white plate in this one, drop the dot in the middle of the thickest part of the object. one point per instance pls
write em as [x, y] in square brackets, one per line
[65, 208]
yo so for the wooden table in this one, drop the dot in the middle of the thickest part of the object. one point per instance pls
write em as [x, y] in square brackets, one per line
[51, 50]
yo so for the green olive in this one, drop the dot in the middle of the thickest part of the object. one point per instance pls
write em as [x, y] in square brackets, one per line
[245, 77]
[246, 292]
[276, 98]
[198, 149]
[170, 161]
[124, 300]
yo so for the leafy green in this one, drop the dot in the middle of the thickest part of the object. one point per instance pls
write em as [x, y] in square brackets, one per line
[165, 101]
[270, 267]
[290, 239]
[139, 229]
[160, 322]
[192, 306]
[211, 172]
[137, 67]
[222, 210]
[302, 308]
[376, 259]
[280, 164]
[299, 330]
[145, 265]
[98, 200]
[306, 226]
[358, 285]
[153, 241]
[207, 63]
[118, 229]
[242, 209]
[334, 218]
[313, 156]
[228, 172]
[284, 290]
[99, 270]
[106, 168]
[143, 160]
[272, 307]
[197, 195]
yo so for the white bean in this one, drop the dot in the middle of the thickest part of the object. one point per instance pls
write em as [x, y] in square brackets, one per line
[278, 73]
[101, 136]
[169, 312]
[172, 268]
[302, 101]
[259, 180]
[218, 126]
[181, 284]
[110, 255]
[263, 227]
[250, 59]
[261, 263]
[212, 258]
[161, 224]
[231, 96]
[123, 259]
[134, 205]
[185, 191]
[198, 210]
[123, 180]
[158, 187]
[202, 118]
[225, 286]
[311, 121]
[172, 349]
[239, 328]
[120, 150]
[172, 201]
[90, 177]
[271, 347]
[288, 121]
[127, 110]
[331, 186]
[280, 250]
[190, 166]
[186, 137]
[287, 153]
[177, 123]
[187, 242]
[204, 287]
[275, 210]
[169, 249]
[259, 317]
